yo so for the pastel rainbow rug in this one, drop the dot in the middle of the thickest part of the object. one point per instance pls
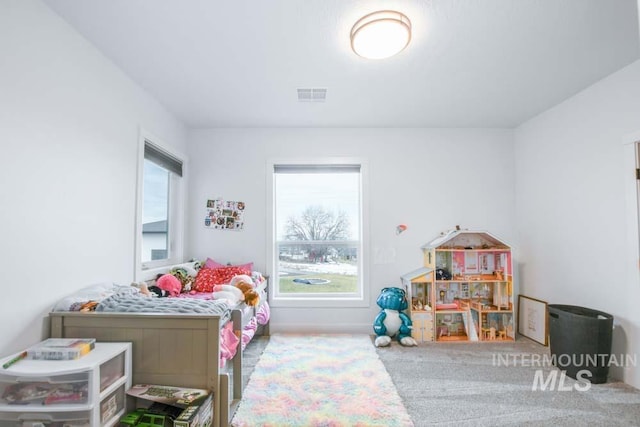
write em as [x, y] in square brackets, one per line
[320, 380]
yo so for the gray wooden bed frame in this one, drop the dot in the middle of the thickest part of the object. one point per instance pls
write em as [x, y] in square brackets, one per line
[175, 349]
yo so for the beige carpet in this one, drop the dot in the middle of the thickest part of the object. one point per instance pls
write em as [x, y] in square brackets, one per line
[460, 384]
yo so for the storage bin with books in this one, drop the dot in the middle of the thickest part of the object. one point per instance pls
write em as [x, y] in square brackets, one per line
[184, 407]
[89, 390]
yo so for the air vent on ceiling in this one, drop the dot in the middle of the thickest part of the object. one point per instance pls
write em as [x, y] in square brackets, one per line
[312, 94]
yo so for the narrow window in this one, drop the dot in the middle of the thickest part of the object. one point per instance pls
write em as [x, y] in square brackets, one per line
[317, 232]
[159, 239]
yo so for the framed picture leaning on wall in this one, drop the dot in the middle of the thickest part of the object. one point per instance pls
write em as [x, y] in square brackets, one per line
[533, 321]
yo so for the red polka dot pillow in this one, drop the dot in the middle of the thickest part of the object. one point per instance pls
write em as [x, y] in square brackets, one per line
[207, 278]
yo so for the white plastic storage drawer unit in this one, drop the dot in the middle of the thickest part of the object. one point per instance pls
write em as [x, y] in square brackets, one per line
[89, 391]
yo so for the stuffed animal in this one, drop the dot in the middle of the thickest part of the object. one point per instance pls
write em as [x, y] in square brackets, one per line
[170, 284]
[186, 275]
[166, 285]
[89, 306]
[150, 291]
[391, 321]
[179, 279]
[228, 292]
[239, 289]
[245, 284]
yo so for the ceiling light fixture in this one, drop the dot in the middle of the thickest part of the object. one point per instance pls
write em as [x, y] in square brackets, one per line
[381, 34]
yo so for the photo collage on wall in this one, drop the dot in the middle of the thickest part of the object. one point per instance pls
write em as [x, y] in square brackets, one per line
[224, 215]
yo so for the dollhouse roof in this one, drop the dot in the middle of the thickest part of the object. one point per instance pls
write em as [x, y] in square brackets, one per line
[415, 274]
[466, 239]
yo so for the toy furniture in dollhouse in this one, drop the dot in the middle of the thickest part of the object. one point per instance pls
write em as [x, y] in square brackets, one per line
[467, 285]
[418, 285]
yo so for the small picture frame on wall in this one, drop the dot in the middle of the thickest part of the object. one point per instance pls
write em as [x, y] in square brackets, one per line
[533, 318]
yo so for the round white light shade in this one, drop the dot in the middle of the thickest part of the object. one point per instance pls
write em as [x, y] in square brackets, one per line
[381, 34]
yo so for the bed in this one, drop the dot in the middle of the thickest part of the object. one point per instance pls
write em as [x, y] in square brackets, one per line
[182, 349]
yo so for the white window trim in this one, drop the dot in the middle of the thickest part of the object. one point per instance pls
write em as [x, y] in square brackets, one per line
[177, 188]
[630, 162]
[318, 300]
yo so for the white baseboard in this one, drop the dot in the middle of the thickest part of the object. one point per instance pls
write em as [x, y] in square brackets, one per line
[315, 328]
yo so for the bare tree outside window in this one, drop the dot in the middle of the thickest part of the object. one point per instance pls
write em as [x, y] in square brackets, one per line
[318, 224]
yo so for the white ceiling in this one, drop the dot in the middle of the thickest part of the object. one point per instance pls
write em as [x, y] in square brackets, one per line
[471, 63]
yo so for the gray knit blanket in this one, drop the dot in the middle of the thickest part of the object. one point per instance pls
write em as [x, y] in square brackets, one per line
[138, 303]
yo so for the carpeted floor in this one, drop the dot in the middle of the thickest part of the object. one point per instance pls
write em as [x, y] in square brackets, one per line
[320, 380]
[491, 384]
[460, 384]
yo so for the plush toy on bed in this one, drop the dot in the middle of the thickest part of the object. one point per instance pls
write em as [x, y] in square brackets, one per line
[166, 286]
[186, 275]
[239, 289]
[150, 291]
[246, 285]
[391, 321]
[170, 284]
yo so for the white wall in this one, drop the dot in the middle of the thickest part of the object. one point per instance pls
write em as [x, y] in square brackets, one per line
[69, 123]
[575, 206]
[430, 180]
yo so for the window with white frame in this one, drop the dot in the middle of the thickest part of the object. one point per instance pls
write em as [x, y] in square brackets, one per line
[159, 239]
[317, 233]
